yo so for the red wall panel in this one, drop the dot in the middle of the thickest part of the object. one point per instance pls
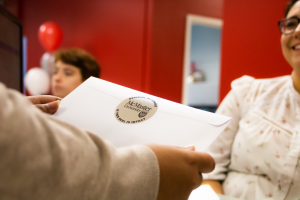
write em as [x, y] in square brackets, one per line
[167, 40]
[139, 43]
[251, 41]
[112, 30]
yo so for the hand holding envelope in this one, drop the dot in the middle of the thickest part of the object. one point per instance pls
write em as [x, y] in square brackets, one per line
[180, 171]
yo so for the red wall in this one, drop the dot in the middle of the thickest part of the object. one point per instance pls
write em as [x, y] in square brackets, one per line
[139, 43]
[251, 41]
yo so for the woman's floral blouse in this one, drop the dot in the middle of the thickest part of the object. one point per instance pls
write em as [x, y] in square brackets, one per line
[257, 155]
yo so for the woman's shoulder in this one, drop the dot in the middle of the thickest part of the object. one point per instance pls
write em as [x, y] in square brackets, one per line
[244, 80]
[242, 85]
[252, 89]
[249, 81]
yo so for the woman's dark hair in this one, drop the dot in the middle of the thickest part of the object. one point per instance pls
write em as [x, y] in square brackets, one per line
[79, 58]
[288, 7]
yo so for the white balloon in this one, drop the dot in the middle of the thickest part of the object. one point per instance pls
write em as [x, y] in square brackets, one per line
[47, 62]
[37, 81]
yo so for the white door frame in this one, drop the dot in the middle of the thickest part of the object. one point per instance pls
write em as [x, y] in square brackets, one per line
[190, 20]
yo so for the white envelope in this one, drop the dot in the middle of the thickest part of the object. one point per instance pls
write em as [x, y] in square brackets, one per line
[127, 117]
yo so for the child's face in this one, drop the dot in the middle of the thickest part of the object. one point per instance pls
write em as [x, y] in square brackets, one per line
[65, 79]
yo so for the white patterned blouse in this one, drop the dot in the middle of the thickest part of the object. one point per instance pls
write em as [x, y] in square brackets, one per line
[257, 155]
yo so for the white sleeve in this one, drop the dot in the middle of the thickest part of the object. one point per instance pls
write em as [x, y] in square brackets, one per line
[231, 106]
[42, 157]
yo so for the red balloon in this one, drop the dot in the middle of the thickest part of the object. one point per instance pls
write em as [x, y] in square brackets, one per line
[50, 35]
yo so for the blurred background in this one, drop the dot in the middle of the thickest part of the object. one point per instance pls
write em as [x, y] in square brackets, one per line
[151, 46]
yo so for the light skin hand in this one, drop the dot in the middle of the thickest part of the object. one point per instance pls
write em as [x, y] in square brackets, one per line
[214, 184]
[46, 103]
[180, 170]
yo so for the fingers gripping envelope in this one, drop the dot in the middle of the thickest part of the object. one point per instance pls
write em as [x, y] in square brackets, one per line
[126, 117]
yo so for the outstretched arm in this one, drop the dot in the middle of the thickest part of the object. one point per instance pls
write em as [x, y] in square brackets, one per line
[42, 157]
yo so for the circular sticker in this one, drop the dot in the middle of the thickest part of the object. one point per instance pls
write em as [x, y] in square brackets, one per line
[135, 110]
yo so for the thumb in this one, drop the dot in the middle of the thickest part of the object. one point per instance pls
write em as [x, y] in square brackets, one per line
[49, 108]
